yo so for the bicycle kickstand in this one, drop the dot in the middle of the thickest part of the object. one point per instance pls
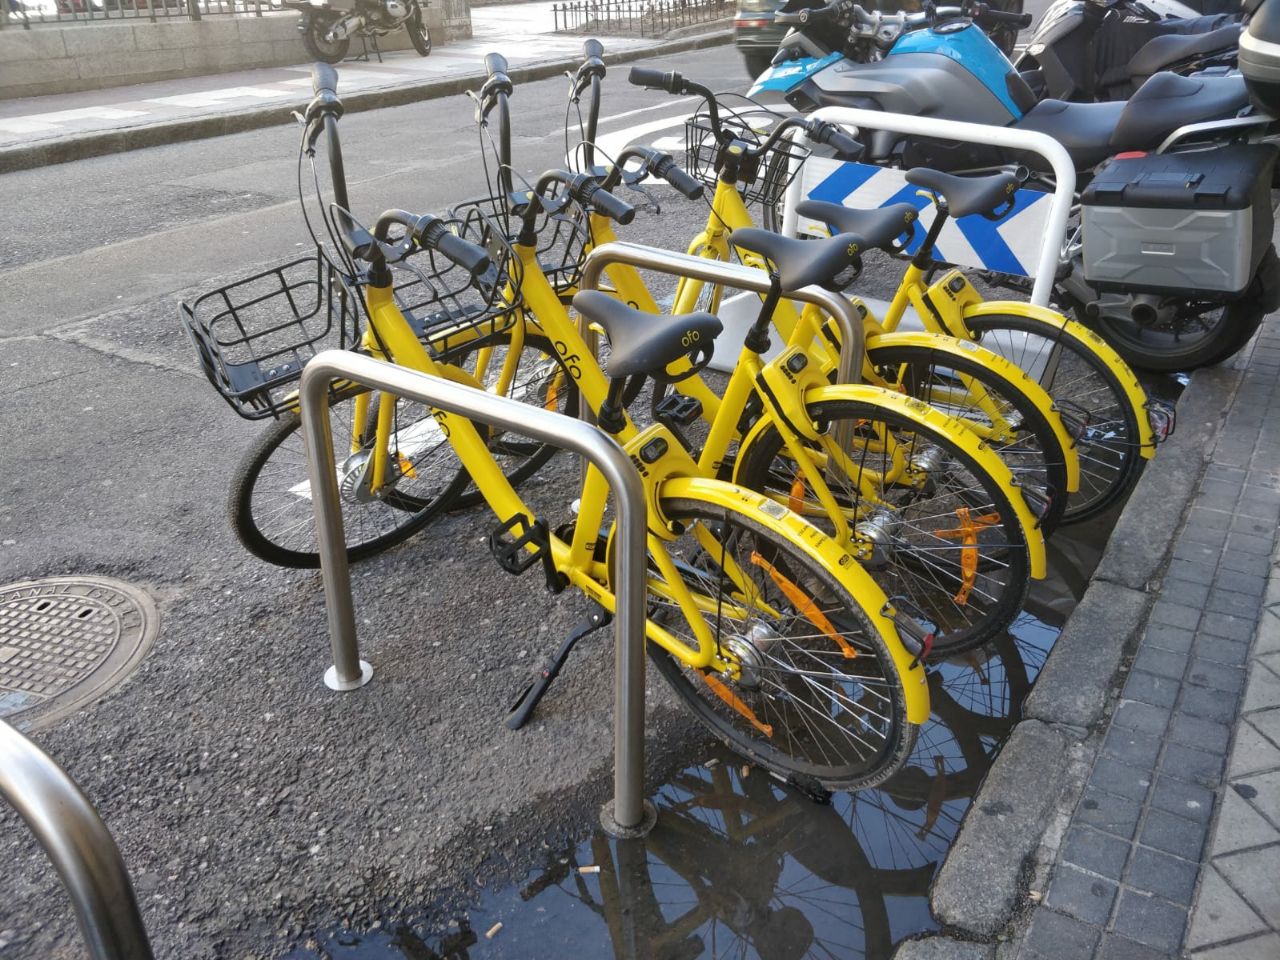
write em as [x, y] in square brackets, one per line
[523, 707]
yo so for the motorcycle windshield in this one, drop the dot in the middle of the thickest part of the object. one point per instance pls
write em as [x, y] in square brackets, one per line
[972, 49]
[783, 77]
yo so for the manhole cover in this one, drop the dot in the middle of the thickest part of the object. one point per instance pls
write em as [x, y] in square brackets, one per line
[65, 641]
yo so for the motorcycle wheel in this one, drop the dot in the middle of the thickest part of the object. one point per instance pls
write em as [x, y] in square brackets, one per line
[318, 47]
[1183, 341]
[419, 32]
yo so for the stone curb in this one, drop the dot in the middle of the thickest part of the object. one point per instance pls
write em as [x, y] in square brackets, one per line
[984, 876]
[100, 143]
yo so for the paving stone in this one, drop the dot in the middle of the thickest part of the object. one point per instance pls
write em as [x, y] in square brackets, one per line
[1190, 571]
[1202, 533]
[1170, 877]
[1252, 753]
[1272, 660]
[1208, 704]
[1202, 734]
[1150, 920]
[1177, 835]
[1254, 566]
[1081, 895]
[1219, 676]
[1161, 662]
[1196, 552]
[1122, 948]
[1240, 827]
[1267, 637]
[1115, 815]
[1265, 947]
[1175, 614]
[1243, 543]
[1220, 914]
[944, 948]
[1058, 935]
[1173, 639]
[1194, 766]
[1142, 717]
[1252, 526]
[1242, 583]
[1262, 790]
[1131, 747]
[1232, 653]
[1149, 688]
[1225, 625]
[1120, 778]
[1234, 604]
[1262, 690]
[1095, 851]
[1267, 722]
[1253, 874]
[1185, 799]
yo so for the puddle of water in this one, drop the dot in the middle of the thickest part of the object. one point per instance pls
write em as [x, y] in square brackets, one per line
[740, 866]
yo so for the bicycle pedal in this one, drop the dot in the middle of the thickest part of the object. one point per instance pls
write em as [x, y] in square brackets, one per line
[512, 556]
[677, 410]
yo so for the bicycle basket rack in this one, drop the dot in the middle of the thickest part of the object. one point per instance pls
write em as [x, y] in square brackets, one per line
[253, 337]
[563, 235]
[763, 179]
[442, 301]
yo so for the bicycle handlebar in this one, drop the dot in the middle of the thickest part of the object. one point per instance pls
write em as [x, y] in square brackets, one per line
[324, 79]
[875, 20]
[431, 233]
[495, 65]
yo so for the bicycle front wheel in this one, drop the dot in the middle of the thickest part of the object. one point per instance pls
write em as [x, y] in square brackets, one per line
[271, 499]
[1084, 387]
[929, 522]
[819, 700]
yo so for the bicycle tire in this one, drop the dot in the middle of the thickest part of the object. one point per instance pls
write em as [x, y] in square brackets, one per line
[1111, 458]
[927, 568]
[1035, 456]
[273, 475]
[789, 750]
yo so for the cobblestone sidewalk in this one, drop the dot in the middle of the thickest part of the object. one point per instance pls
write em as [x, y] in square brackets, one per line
[1137, 875]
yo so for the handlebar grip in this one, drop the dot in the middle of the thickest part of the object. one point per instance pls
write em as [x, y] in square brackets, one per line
[655, 79]
[845, 145]
[494, 63]
[670, 171]
[324, 79]
[475, 260]
[592, 48]
[602, 201]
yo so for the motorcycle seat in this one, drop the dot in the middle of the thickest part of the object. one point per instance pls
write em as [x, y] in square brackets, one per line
[878, 227]
[1168, 101]
[640, 342]
[802, 263]
[1160, 53]
[966, 195]
[1085, 129]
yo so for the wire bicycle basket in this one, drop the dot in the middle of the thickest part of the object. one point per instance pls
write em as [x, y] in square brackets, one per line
[253, 337]
[761, 179]
[444, 303]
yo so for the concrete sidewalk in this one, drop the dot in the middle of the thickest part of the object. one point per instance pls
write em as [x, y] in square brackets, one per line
[1134, 814]
[40, 130]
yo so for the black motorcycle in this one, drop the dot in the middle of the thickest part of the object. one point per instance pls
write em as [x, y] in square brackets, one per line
[1093, 50]
[327, 31]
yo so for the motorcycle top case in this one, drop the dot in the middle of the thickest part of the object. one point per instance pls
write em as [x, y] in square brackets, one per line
[1176, 223]
[1259, 56]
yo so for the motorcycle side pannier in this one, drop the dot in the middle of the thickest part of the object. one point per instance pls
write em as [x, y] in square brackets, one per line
[1184, 222]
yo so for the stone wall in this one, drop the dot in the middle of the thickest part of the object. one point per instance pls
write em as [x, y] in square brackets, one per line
[89, 56]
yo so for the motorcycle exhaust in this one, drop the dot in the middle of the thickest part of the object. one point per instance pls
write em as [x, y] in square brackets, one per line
[344, 28]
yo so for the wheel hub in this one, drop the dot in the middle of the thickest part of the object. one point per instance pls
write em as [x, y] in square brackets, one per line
[751, 652]
[878, 534]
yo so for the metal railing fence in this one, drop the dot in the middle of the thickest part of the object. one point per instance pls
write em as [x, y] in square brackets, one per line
[29, 13]
[647, 18]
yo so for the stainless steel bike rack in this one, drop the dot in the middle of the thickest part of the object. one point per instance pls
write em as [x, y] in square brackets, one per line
[79, 845]
[740, 278]
[1064, 172]
[628, 815]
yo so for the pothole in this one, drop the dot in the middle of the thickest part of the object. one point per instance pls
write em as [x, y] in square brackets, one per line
[66, 641]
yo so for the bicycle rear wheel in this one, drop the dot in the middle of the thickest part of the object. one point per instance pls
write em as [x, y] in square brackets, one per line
[1082, 386]
[821, 717]
[941, 533]
[271, 499]
[1030, 448]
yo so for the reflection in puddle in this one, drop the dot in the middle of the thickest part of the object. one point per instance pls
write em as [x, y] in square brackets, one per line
[740, 866]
